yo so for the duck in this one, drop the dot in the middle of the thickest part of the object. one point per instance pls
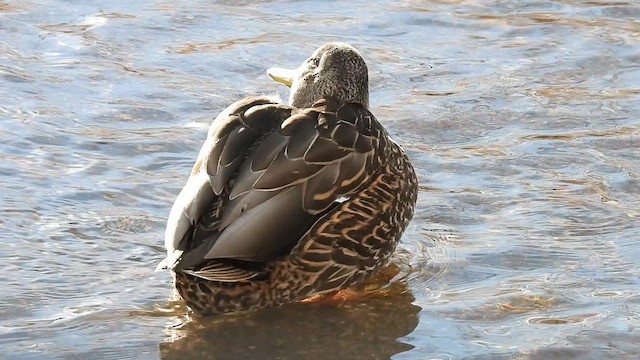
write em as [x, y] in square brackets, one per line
[290, 201]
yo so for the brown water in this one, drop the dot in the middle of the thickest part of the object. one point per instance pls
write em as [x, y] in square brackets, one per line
[522, 118]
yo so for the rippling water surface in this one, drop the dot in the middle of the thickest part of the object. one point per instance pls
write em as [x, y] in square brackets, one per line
[522, 119]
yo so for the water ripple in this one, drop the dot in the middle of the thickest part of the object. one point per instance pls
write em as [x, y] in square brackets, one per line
[520, 118]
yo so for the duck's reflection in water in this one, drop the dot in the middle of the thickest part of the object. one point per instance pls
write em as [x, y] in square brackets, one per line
[368, 328]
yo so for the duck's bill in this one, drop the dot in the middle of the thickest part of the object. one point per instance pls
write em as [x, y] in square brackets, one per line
[283, 76]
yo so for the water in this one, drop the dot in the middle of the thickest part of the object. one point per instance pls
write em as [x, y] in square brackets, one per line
[521, 117]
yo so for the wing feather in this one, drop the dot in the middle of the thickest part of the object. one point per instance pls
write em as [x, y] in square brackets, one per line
[284, 172]
[222, 168]
[320, 190]
[325, 152]
[221, 272]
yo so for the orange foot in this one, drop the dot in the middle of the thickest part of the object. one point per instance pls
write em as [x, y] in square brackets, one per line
[336, 298]
[372, 288]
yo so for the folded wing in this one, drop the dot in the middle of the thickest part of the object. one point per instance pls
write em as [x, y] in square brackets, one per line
[265, 174]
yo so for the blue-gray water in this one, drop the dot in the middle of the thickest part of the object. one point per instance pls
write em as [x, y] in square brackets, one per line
[521, 117]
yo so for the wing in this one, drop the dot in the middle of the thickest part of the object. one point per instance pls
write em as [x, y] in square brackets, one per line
[195, 211]
[272, 172]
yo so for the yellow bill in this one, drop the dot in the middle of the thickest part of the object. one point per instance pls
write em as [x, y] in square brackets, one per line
[283, 76]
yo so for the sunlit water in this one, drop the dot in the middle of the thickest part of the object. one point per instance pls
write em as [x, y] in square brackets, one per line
[521, 117]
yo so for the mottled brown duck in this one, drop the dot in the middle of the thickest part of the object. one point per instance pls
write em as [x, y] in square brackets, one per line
[289, 201]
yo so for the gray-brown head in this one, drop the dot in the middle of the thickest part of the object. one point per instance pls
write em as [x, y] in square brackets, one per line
[335, 69]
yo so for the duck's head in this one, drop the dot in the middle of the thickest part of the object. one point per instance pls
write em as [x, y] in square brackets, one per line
[335, 69]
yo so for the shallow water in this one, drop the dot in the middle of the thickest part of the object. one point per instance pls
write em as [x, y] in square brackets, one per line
[521, 117]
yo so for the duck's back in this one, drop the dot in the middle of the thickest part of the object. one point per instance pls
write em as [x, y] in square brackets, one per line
[267, 172]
